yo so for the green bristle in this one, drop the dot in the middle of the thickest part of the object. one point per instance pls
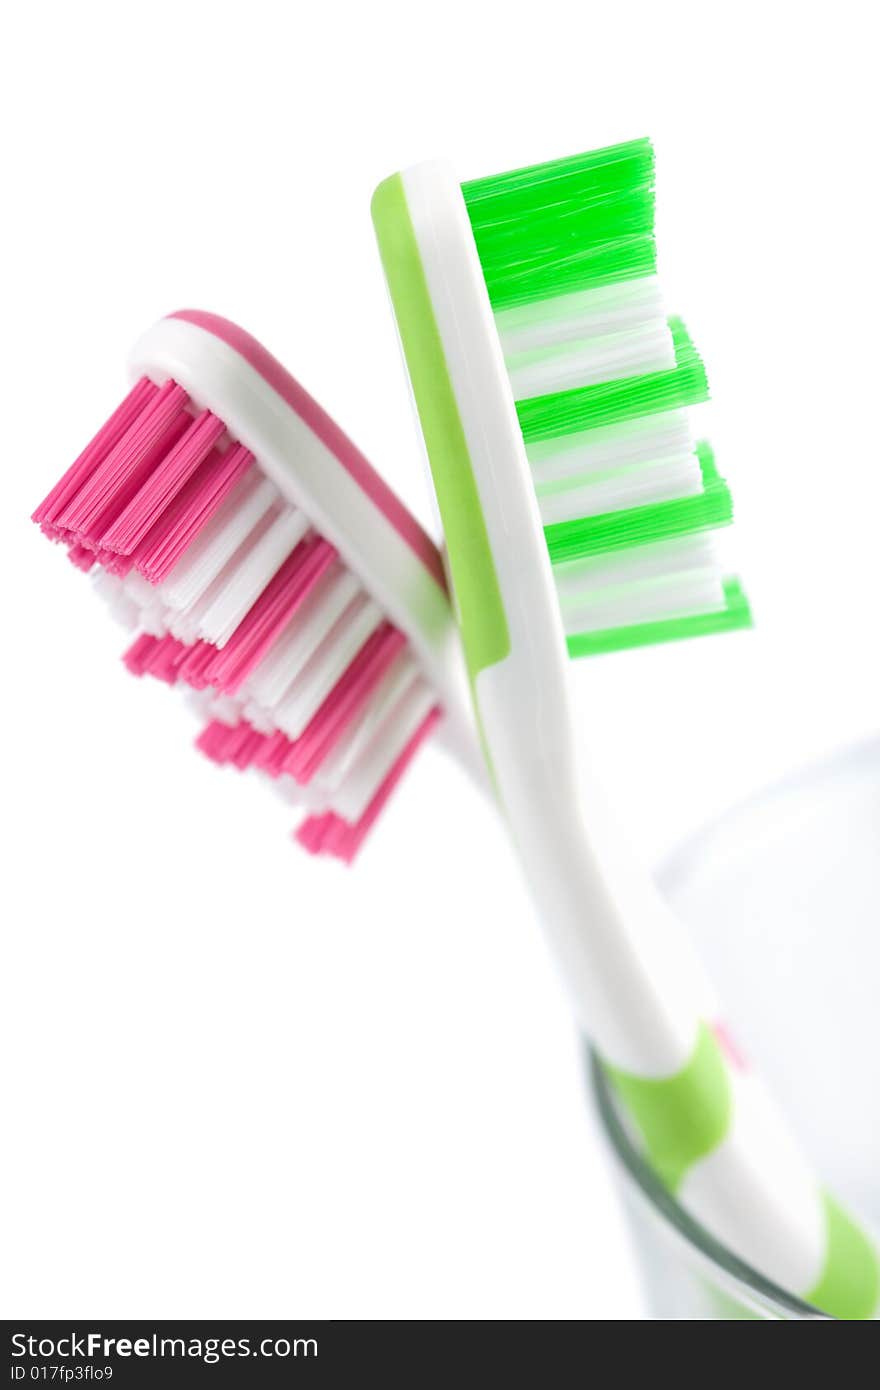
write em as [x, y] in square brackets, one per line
[608, 402]
[735, 614]
[657, 521]
[571, 224]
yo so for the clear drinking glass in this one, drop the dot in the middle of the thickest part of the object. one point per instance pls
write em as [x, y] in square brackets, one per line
[782, 895]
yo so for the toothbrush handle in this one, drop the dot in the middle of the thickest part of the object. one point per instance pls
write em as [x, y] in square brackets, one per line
[635, 991]
[709, 1129]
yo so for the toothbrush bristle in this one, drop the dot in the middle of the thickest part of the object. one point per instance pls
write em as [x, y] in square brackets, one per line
[329, 833]
[565, 226]
[602, 380]
[297, 672]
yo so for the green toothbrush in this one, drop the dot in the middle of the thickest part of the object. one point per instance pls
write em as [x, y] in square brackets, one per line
[553, 392]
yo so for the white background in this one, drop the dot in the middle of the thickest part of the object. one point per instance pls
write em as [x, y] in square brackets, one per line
[240, 1083]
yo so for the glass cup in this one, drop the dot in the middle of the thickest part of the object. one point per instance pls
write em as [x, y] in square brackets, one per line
[782, 895]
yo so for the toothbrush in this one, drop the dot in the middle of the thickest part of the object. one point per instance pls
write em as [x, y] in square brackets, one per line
[552, 393]
[270, 570]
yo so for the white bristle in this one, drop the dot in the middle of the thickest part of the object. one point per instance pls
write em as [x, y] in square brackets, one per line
[183, 626]
[366, 776]
[186, 622]
[583, 314]
[672, 596]
[640, 562]
[635, 485]
[667, 579]
[262, 720]
[662, 436]
[145, 598]
[198, 702]
[587, 361]
[138, 589]
[112, 593]
[293, 794]
[309, 626]
[215, 545]
[402, 673]
[226, 708]
[154, 620]
[248, 576]
[327, 665]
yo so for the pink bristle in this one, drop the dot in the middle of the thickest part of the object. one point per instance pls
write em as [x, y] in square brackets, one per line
[164, 484]
[330, 834]
[344, 702]
[234, 736]
[205, 491]
[167, 658]
[95, 452]
[155, 656]
[195, 664]
[81, 557]
[247, 750]
[120, 565]
[271, 614]
[137, 658]
[270, 757]
[213, 739]
[110, 487]
[126, 487]
[312, 832]
[229, 743]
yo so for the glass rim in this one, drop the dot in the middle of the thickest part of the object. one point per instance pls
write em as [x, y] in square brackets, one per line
[740, 1277]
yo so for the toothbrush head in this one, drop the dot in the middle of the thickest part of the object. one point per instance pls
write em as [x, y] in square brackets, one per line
[547, 276]
[268, 569]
